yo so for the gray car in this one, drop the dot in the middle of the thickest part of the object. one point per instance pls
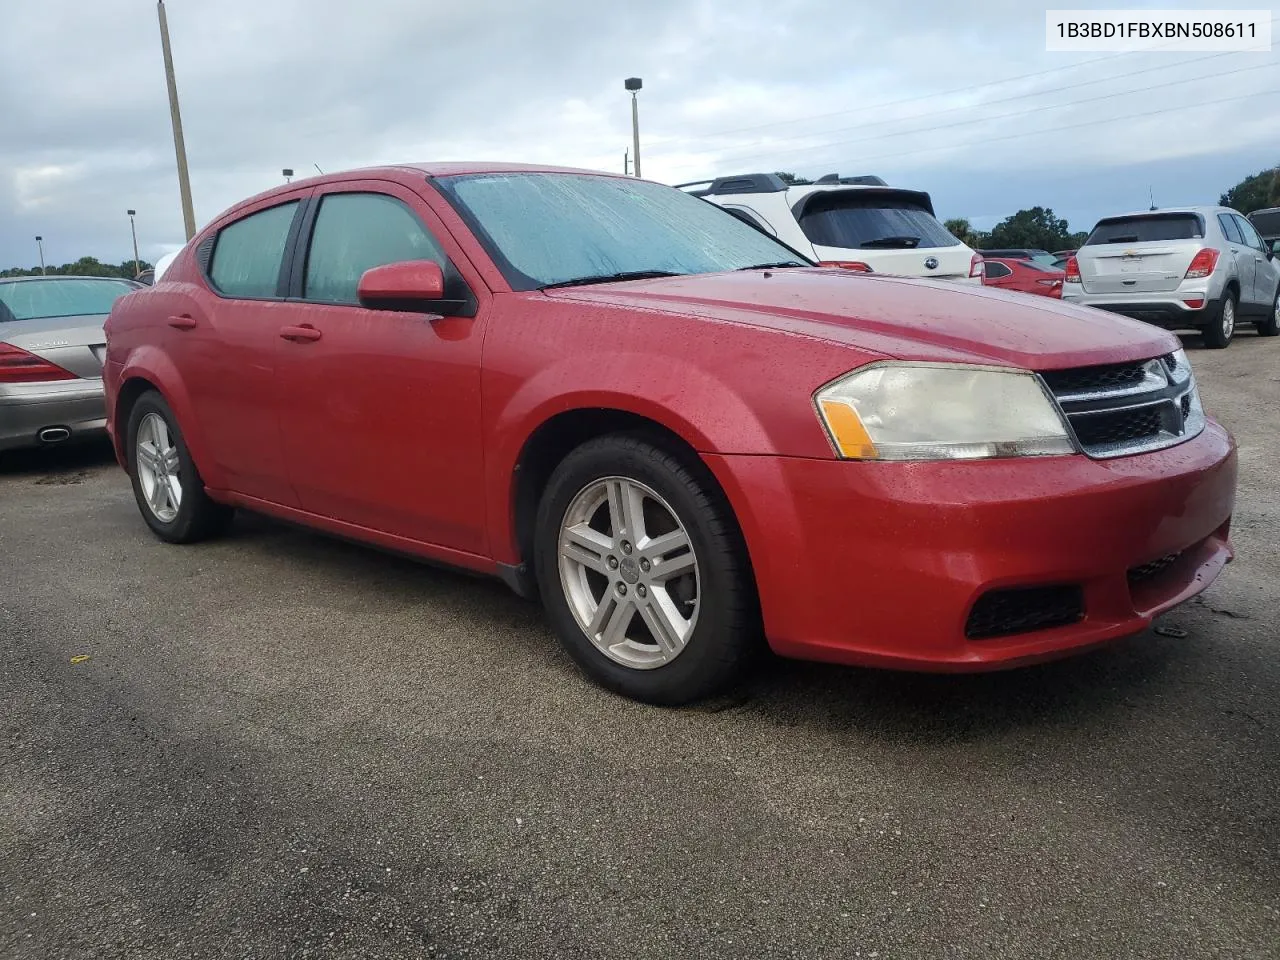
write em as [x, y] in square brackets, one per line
[1202, 268]
[51, 353]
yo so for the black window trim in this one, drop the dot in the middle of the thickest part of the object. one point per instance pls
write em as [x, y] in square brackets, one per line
[294, 286]
[1223, 220]
[286, 259]
[1247, 230]
[1008, 270]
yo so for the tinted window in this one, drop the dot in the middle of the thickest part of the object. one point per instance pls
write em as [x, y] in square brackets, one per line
[63, 297]
[357, 231]
[543, 228]
[1147, 229]
[870, 222]
[1266, 222]
[247, 256]
[1249, 234]
[1229, 227]
[995, 270]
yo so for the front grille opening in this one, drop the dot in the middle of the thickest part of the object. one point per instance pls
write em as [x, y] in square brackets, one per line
[1118, 426]
[999, 613]
[1149, 571]
[1113, 376]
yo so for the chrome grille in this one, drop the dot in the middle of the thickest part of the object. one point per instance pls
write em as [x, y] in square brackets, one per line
[1124, 408]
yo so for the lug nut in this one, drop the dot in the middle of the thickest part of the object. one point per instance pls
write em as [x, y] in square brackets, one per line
[622, 589]
[644, 565]
[641, 590]
[626, 547]
[613, 563]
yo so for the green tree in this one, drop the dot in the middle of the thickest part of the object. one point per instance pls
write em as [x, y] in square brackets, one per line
[1034, 228]
[792, 179]
[84, 267]
[1254, 193]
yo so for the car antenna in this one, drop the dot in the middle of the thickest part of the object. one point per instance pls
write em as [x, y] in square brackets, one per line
[1151, 197]
[318, 170]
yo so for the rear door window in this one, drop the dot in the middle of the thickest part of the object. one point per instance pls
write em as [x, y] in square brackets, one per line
[1249, 235]
[871, 222]
[995, 271]
[1148, 229]
[1229, 227]
[248, 253]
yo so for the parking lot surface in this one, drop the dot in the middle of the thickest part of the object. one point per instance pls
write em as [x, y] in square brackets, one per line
[280, 745]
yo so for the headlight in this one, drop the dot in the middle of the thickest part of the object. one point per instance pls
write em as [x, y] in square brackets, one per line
[936, 411]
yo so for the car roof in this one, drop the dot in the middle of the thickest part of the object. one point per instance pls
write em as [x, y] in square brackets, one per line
[1202, 211]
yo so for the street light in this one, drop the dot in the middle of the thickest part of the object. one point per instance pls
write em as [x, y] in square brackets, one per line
[40, 245]
[134, 230]
[633, 84]
[287, 172]
[175, 117]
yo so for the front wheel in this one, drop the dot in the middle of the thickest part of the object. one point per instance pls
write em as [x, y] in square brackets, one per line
[1219, 331]
[644, 574]
[1270, 326]
[166, 483]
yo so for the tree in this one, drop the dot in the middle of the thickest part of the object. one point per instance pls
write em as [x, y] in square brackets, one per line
[1036, 228]
[962, 230]
[84, 267]
[1254, 193]
[791, 179]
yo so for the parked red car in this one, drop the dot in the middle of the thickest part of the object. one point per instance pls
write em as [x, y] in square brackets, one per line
[1026, 276]
[672, 427]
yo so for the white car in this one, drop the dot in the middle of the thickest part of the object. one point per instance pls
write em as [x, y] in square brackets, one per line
[860, 223]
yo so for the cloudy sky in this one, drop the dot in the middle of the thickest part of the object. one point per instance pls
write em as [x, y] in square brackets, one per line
[957, 99]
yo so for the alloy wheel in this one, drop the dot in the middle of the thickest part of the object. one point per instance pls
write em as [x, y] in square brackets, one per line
[158, 468]
[629, 572]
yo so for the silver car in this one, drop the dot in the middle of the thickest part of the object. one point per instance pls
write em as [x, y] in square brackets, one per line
[1203, 268]
[51, 353]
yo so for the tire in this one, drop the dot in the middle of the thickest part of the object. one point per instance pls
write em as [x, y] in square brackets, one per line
[1219, 331]
[194, 516]
[713, 600]
[1270, 326]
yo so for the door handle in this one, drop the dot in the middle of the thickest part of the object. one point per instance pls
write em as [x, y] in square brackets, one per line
[300, 334]
[181, 322]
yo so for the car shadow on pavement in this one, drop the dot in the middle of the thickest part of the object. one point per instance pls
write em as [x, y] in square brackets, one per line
[68, 459]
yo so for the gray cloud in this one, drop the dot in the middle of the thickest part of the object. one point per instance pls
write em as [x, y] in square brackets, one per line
[276, 83]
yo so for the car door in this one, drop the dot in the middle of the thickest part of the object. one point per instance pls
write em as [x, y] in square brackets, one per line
[380, 409]
[1266, 275]
[1242, 254]
[996, 274]
[222, 338]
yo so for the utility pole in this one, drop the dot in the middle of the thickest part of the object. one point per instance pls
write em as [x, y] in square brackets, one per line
[634, 84]
[175, 116]
[134, 230]
[40, 246]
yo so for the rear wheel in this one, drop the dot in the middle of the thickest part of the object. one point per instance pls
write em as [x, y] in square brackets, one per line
[166, 483]
[1218, 332]
[1270, 326]
[644, 574]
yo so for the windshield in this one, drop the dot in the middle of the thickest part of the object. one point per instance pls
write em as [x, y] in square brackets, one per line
[60, 297]
[1167, 226]
[843, 219]
[551, 228]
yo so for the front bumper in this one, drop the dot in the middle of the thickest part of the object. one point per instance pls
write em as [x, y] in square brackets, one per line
[883, 563]
[30, 408]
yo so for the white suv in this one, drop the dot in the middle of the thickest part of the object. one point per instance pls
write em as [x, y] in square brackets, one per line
[860, 223]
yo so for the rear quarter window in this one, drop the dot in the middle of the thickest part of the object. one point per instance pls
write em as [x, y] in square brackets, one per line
[1148, 229]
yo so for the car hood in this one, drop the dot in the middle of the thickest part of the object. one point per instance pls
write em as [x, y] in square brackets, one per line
[897, 317]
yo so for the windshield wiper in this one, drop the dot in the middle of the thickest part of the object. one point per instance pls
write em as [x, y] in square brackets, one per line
[611, 278]
[903, 243]
[772, 266]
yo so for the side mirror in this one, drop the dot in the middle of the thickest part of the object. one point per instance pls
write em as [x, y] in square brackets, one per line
[408, 285]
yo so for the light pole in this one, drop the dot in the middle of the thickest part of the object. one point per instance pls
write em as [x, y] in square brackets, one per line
[134, 230]
[634, 84]
[40, 246]
[287, 173]
[175, 116]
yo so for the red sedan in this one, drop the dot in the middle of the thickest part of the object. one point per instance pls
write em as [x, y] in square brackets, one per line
[1026, 276]
[680, 434]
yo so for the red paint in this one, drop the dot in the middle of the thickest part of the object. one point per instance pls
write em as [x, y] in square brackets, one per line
[1026, 279]
[406, 430]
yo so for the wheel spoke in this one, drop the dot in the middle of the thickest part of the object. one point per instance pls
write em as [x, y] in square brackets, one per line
[147, 454]
[158, 497]
[171, 459]
[664, 570]
[615, 631]
[174, 490]
[586, 546]
[626, 511]
[664, 622]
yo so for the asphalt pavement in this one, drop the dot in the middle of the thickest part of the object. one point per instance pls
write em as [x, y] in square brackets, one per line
[280, 745]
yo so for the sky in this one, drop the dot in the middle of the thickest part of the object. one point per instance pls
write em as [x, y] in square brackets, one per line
[959, 100]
